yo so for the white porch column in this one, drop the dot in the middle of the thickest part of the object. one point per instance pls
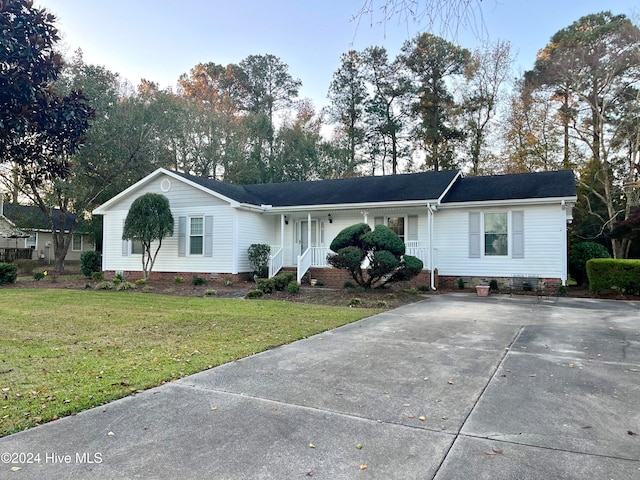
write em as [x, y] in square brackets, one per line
[308, 230]
[282, 231]
[366, 217]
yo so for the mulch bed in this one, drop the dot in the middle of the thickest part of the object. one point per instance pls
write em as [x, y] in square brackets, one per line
[391, 297]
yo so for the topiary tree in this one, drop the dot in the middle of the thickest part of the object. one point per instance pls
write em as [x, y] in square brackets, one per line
[259, 259]
[373, 258]
[580, 255]
[149, 220]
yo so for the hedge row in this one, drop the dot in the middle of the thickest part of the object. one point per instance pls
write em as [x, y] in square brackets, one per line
[613, 274]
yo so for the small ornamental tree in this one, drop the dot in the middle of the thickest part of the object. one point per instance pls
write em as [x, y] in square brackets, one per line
[373, 258]
[149, 220]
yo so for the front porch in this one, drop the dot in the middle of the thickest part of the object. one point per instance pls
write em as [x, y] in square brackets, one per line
[316, 258]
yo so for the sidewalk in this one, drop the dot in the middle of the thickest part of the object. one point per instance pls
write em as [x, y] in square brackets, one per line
[454, 387]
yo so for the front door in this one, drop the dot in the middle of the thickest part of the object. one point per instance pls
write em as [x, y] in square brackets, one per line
[304, 236]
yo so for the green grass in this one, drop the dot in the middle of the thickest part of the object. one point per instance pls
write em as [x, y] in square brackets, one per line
[63, 351]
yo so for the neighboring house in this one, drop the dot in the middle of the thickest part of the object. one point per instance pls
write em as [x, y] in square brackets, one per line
[30, 230]
[476, 227]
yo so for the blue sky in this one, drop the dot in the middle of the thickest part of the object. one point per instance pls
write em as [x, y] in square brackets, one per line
[161, 39]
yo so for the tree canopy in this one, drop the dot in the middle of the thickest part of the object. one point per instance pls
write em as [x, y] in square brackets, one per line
[149, 220]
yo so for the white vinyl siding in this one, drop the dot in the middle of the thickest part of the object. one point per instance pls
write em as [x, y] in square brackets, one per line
[540, 252]
[185, 201]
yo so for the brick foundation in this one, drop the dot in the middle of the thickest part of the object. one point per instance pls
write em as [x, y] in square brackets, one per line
[335, 278]
[451, 283]
[188, 277]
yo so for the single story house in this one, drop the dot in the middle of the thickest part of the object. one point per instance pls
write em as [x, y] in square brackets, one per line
[25, 233]
[476, 228]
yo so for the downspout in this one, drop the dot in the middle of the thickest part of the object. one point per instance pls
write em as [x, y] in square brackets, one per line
[430, 224]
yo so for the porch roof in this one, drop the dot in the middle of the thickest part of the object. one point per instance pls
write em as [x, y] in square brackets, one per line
[424, 186]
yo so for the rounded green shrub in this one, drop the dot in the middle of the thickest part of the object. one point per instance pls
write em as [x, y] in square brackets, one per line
[293, 287]
[254, 294]
[90, 262]
[8, 273]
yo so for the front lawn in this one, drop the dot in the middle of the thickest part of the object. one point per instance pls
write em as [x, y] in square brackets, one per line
[63, 351]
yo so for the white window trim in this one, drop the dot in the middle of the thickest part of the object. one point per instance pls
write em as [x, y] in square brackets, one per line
[189, 236]
[484, 233]
[73, 249]
[511, 235]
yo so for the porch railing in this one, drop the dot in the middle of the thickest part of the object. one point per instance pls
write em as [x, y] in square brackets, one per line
[276, 261]
[415, 249]
[304, 263]
[11, 254]
[319, 256]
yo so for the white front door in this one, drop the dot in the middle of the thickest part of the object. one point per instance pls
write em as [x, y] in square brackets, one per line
[303, 235]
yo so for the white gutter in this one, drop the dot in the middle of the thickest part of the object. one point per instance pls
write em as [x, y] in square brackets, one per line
[518, 201]
[347, 206]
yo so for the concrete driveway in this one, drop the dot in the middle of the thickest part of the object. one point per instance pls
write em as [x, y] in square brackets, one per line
[454, 387]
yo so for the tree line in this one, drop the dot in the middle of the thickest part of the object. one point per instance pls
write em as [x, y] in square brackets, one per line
[432, 105]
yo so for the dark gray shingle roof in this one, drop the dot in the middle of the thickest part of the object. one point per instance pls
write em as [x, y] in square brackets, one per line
[513, 187]
[390, 188]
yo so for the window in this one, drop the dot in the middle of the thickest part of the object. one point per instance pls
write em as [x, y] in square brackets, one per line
[30, 242]
[76, 243]
[196, 236]
[496, 236]
[136, 247]
[397, 225]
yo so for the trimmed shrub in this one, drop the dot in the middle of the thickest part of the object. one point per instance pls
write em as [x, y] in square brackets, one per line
[90, 262]
[141, 281]
[493, 285]
[178, 280]
[609, 273]
[105, 286]
[349, 284]
[355, 302]
[266, 285]
[254, 294]
[461, 284]
[282, 280]
[293, 287]
[8, 273]
[97, 276]
[123, 286]
[198, 281]
[423, 288]
[210, 293]
[580, 255]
